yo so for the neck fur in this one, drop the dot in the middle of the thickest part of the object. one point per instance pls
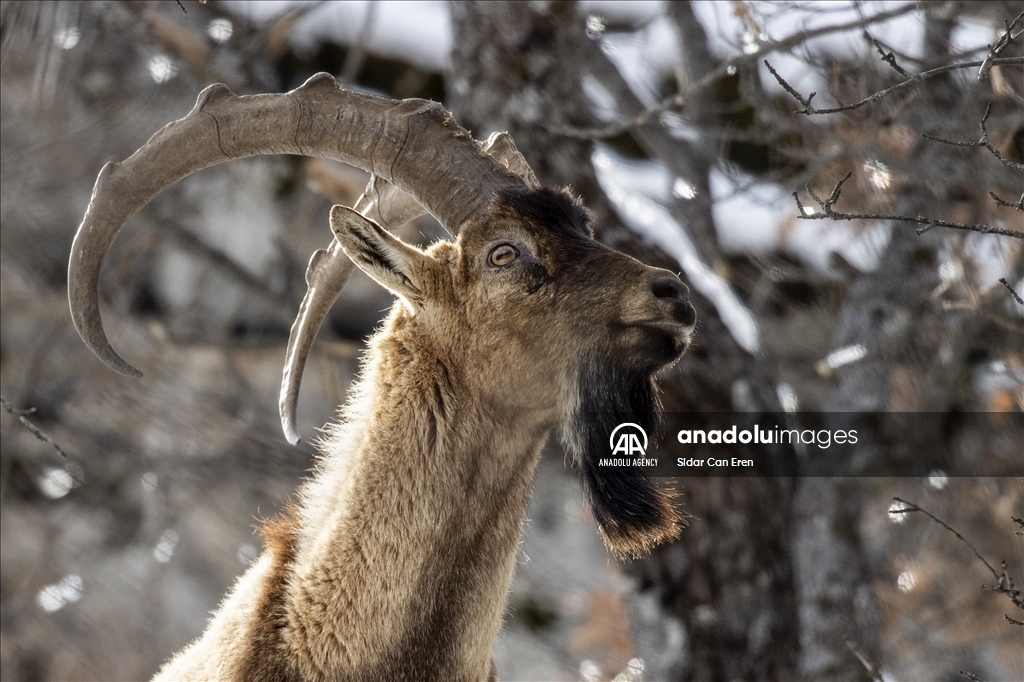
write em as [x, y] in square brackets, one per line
[405, 541]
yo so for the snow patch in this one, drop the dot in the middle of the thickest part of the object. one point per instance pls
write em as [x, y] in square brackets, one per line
[419, 33]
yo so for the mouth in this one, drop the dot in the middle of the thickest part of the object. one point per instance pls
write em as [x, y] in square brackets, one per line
[677, 321]
[683, 332]
[668, 340]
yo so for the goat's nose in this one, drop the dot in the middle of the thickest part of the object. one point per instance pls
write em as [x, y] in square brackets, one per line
[670, 289]
[667, 286]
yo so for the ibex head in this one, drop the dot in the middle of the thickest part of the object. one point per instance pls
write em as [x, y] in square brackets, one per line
[540, 318]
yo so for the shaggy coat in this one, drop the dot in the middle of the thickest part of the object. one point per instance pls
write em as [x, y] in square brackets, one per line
[396, 560]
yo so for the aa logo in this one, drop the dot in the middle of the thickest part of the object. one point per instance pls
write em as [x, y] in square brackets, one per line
[628, 439]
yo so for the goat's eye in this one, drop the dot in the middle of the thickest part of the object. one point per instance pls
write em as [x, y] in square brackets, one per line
[502, 254]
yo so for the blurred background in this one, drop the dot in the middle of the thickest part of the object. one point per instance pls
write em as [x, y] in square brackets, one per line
[123, 530]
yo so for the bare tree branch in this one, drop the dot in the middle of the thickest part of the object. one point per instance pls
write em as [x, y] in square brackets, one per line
[887, 57]
[32, 428]
[728, 67]
[356, 56]
[971, 676]
[1019, 204]
[983, 142]
[808, 109]
[995, 50]
[1016, 297]
[1004, 583]
[227, 266]
[928, 223]
[911, 507]
[895, 52]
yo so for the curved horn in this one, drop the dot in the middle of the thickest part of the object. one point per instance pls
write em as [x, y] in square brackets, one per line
[326, 275]
[501, 148]
[414, 144]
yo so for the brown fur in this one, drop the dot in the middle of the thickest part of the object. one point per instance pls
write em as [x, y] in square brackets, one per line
[267, 659]
[396, 562]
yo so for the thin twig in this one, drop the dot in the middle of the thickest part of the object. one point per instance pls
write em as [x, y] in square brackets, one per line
[1016, 297]
[1005, 586]
[181, 6]
[887, 57]
[903, 55]
[804, 101]
[911, 507]
[971, 676]
[927, 223]
[983, 142]
[32, 428]
[1019, 204]
[1004, 583]
[227, 266]
[356, 56]
[916, 78]
[995, 50]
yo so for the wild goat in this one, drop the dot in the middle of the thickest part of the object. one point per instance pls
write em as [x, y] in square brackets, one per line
[397, 559]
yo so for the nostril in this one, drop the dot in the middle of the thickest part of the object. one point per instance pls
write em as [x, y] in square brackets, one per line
[667, 286]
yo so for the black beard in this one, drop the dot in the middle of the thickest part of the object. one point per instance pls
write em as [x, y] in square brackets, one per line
[632, 512]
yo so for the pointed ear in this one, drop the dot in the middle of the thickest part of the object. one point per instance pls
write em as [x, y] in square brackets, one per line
[391, 262]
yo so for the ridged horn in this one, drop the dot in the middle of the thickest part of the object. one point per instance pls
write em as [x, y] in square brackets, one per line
[414, 144]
